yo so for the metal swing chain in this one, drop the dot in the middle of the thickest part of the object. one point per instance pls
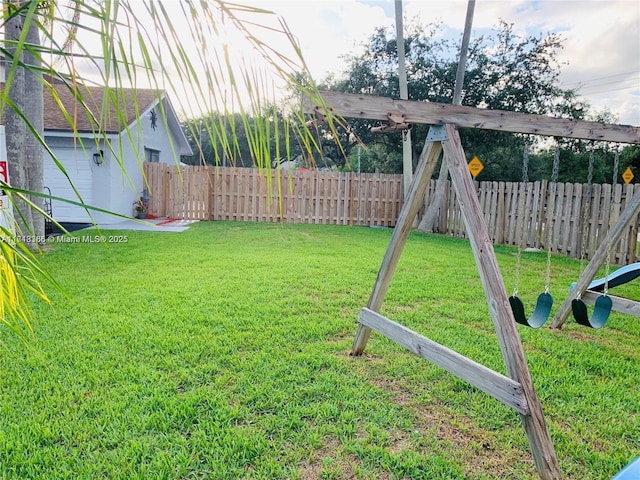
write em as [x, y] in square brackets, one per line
[585, 216]
[554, 186]
[525, 181]
[614, 183]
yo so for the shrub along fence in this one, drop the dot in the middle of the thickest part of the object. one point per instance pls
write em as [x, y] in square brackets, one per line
[568, 222]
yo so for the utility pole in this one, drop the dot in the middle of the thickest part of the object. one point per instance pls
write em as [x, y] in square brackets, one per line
[430, 216]
[407, 155]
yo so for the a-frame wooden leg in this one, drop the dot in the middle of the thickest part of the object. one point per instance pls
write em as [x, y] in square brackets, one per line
[415, 197]
[508, 337]
[614, 234]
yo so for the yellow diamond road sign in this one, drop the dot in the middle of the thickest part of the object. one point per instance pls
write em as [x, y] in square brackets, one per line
[475, 166]
[627, 176]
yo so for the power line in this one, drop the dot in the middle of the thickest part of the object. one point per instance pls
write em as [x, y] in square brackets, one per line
[606, 90]
[616, 75]
[596, 85]
[583, 82]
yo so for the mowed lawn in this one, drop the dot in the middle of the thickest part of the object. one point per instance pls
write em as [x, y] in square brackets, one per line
[222, 352]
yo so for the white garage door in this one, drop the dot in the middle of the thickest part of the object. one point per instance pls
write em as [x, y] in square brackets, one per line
[78, 167]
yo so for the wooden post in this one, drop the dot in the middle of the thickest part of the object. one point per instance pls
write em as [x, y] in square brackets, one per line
[629, 213]
[510, 344]
[428, 159]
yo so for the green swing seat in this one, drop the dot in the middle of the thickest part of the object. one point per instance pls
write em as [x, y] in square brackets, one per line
[603, 305]
[542, 310]
[540, 314]
[601, 312]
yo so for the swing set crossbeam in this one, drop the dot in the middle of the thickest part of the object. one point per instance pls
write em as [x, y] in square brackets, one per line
[432, 113]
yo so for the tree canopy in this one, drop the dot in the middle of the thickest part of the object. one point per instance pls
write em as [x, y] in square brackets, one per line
[505, 71]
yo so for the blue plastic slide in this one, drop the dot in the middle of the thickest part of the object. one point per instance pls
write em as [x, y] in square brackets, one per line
[619, 277]
[630, 472]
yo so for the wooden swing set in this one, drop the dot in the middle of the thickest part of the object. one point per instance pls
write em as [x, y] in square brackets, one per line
[516, 389]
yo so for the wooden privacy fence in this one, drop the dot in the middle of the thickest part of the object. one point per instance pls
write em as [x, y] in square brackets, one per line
[569, 221]
[248, 194]
[178, 192]
[515, 213]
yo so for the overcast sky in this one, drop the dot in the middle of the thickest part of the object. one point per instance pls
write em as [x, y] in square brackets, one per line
[601, 37]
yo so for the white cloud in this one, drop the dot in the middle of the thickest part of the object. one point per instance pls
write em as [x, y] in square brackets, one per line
[602, 38]
[329, 29]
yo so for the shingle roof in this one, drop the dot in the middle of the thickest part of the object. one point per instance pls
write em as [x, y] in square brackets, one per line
[132, 102]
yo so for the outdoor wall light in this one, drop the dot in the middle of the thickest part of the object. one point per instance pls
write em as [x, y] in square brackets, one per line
[98, 157]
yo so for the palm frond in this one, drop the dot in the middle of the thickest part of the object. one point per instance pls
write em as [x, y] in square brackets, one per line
[165, 46]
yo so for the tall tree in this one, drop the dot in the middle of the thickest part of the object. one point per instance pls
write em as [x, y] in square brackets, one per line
[24, 153]
[504, 71]
[34, 111]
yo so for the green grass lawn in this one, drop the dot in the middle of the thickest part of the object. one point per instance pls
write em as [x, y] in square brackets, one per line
[222, 352]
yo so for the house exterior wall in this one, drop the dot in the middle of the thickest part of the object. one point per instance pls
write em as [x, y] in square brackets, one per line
[105, 186]
[126, 188]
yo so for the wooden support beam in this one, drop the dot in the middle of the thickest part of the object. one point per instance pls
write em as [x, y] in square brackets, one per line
[614, 234]
[504, 323]
[622, 305]
[510, 345]
[495, 384]
[378, 108]
[428, 160]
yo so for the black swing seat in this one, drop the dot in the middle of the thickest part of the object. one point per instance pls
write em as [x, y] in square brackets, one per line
[540, 314]
[601, 312]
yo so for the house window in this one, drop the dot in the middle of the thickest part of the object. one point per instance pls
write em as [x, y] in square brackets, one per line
[151, 155]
